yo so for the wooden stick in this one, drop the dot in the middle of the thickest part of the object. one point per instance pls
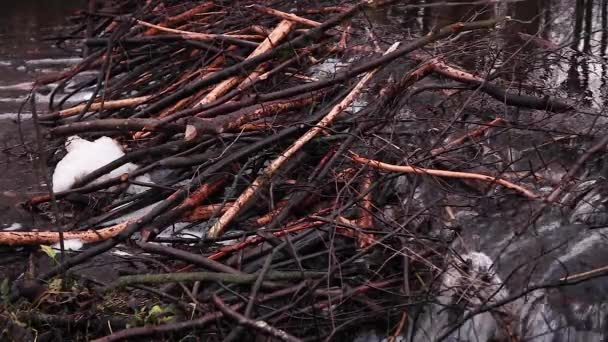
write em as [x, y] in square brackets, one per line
[278, 34]
[216, 63]
[584, 275]
[114, 104]
[257, 239]
[512, 99]
[37, 238]
[328, 9]
[197, 35]
[184, 16]
[365, 219]
[205, 212]
[96, 235]
[346, 227]
[399, 328]
[442, 173]
[234, 120]
[188, 209]
[472, 134]
[261, 326]
[217, 229]
[286, 16]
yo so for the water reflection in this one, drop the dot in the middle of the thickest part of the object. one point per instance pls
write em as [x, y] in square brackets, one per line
[538, 34]
[445, 15]
[23, 23]
[24, 53]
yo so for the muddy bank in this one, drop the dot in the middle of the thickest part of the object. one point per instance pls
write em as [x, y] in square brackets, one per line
[20, 176]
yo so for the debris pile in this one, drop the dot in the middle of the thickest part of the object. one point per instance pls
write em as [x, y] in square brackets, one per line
[265, 166]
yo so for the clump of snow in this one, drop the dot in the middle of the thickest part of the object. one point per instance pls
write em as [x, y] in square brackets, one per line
[471, 282]
[227, 242]
[327, 69]
[54, 61]
[85, 157]
[69, 245]
[375, 336]
[132, 216]
[121, 253]
[12, 227]
[179, 230]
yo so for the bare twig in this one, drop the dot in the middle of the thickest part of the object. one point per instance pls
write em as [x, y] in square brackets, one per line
[257, 325]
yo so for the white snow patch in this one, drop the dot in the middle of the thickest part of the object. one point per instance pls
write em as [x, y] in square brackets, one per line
[70, 245]
[45, 98]
[326, 69]
[586, 207]
[227, 242]
[177, 230]
[54, 61]
[549, 226]
[577, 249]
[132, 216]
[18, 86]
[12, 227]
[374, 336]
[80, 97]
[15, 116]
[121, 253]
[461, 280]
[145, 178]
[85, 157]
[357, 105]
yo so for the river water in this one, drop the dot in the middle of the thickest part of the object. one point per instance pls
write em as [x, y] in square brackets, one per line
[25, 54]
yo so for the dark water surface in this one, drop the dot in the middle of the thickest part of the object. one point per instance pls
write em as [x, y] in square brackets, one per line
[24, 54]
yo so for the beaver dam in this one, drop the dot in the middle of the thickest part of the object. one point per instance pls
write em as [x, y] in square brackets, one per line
[310, 170]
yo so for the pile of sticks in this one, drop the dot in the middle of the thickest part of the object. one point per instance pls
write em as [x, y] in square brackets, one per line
[258, 150]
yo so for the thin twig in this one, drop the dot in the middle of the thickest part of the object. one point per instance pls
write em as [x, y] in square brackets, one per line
[257, 325]
[443, 173]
